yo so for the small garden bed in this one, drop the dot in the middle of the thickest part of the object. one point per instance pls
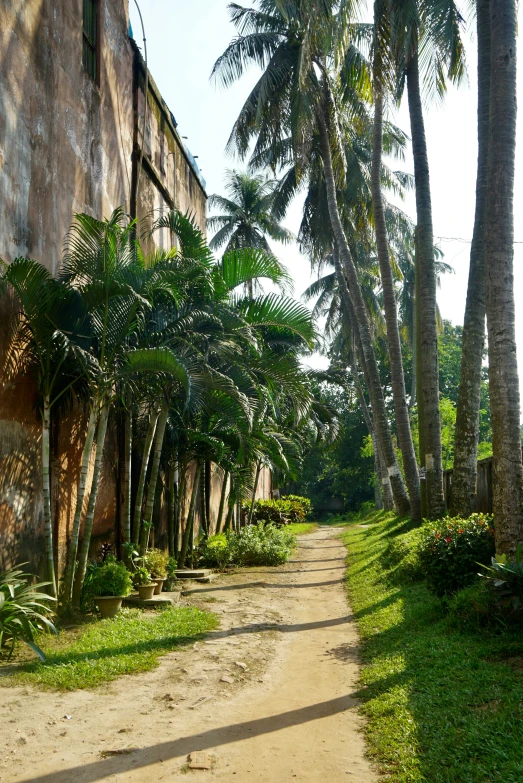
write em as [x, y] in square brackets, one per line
[94, 653]
[443, 705]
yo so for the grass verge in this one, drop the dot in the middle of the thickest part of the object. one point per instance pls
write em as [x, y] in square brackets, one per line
[301, 528]
[96, 653]
[442, 705]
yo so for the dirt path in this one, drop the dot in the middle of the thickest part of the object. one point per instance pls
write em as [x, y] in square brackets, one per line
[267, 695]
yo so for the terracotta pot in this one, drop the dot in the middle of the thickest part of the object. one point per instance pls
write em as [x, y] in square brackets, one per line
[146, 592]
[108, 605]
[159, 584]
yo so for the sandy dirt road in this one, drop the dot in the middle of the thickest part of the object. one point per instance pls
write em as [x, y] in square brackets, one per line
[268, 696]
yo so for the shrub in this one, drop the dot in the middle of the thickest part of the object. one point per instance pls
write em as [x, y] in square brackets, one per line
[261, 545]
[450, 553]
[156, 563]
[141, 577]
[24, 611]
[215, 552]
[285, 510]
[504, 578]
[110, 578]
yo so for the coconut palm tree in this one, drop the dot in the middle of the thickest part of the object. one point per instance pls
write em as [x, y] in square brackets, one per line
[427, 32]
[499, 255]
[466, 441]
[295, 99]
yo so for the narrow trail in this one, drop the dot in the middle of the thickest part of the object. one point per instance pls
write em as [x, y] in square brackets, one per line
[287, 647]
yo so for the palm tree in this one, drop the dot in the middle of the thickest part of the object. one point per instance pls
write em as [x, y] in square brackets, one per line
[499, 255]
[294, 99]
[48, 318]
[431, 28]
[464, 475]
[401, 409]
[247, 218]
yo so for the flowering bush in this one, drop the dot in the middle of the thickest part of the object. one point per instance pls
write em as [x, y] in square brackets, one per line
[453, 549]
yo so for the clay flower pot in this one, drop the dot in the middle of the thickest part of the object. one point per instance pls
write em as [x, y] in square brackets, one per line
[159, 584]
[146, 592]
[108, 605]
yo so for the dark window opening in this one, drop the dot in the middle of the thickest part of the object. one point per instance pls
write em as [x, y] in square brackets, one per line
[90, 38]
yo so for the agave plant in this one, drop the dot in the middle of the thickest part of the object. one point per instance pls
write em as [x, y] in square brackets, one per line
[24, 610]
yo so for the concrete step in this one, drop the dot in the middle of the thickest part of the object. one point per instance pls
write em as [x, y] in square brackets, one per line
[193, 573]
[164, 599]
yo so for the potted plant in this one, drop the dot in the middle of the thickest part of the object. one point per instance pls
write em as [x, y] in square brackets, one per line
[172, 580]
[108, 585]
[143, 582]
[156, 563]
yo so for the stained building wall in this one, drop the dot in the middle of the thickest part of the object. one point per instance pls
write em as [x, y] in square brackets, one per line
[70, 143]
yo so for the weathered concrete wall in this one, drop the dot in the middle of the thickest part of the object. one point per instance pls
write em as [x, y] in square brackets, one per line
[67, 144]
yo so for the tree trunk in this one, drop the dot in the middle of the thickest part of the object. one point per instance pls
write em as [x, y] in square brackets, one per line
[153, 478]
[187, 534]
[464, 475]
[172, 507]
[127, 459]
[499, 256]
[46, 485]
[378, 493]
[228, 521]
[410, 463]
[375, 391]
[222, 501]
[180, 505]
[428, 356]
[89, 518]
[420, 407]
[72, 549]
[253, 499]
[137, 520]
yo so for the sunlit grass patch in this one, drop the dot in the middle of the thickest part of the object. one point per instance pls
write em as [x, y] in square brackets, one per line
[99, 652]
[442, 706]
[301, 528]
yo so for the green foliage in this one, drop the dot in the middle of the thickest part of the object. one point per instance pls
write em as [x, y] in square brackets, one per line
[102, 651]
[441, 704]
[24, 610]
[285, 510]
[473, 607]
[505, 578]
[172, 565]
[156, 562]
[108, 579]
[451, 551]
[260, 544]
[141, 576]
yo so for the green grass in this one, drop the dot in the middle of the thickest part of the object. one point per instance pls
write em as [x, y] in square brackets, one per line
[301, 528]
[442, 706]
[96, 653]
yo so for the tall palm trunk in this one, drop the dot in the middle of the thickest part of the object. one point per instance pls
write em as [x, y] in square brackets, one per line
[171, 522]
[222, 501]
[72, 549]
[428, 357]
[254, 490]
[180, 505]
[137, 520]
[348, 311]
[464, 476]
[419, 381]
[89, 517]
[46, 486]
[379, 494]
[499, 256]
[189, 526]
[127, 460]
[399, 395]
[153, 478]
[375, 391]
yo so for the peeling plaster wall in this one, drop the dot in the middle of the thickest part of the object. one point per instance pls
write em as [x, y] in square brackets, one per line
[67, 145]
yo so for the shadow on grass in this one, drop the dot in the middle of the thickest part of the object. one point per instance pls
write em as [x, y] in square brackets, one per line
[441, 705]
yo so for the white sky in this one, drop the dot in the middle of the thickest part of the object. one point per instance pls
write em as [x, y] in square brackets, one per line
[184, 38]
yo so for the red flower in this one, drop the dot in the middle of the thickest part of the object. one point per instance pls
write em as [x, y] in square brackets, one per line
[437, 535]
[461, 531]
[448, 539]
